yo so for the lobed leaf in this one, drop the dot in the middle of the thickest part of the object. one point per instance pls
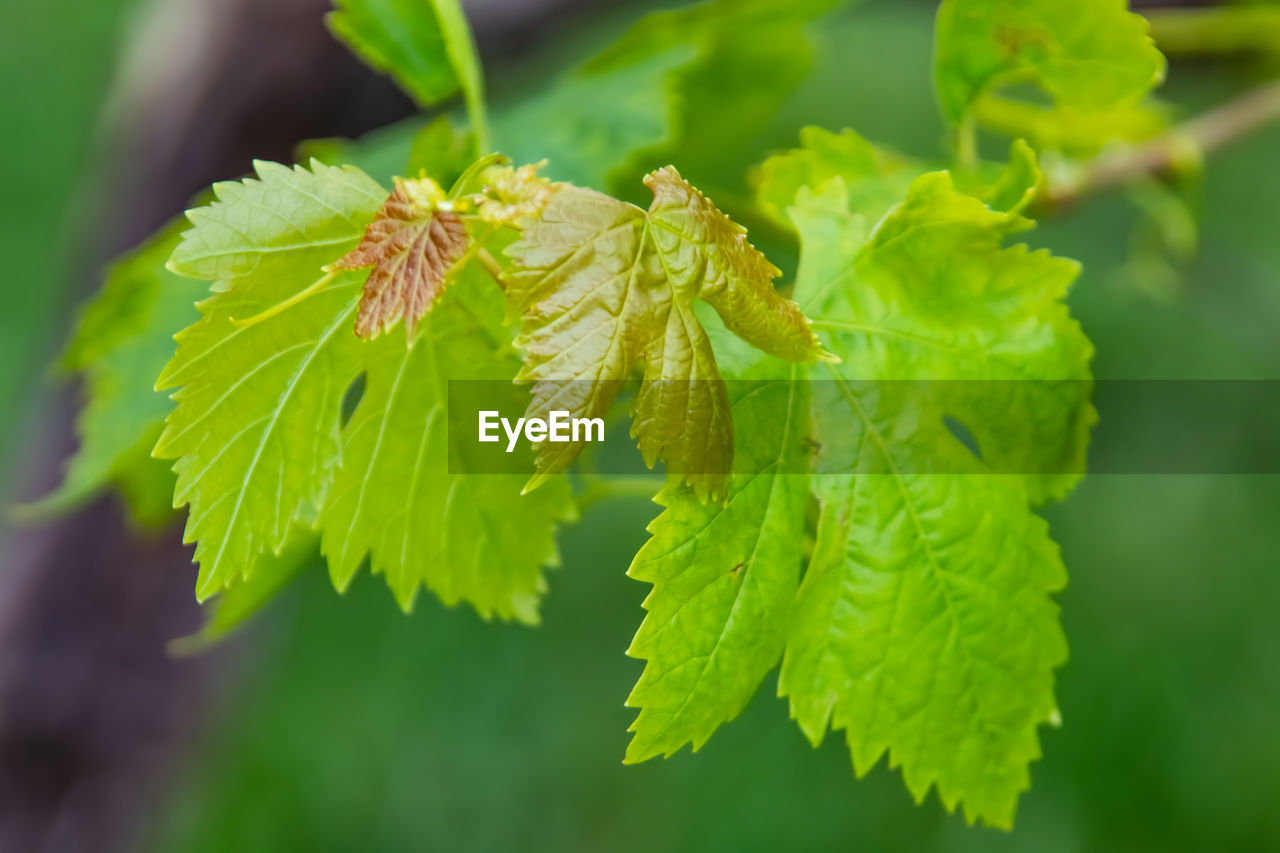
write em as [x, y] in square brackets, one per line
[874, 179]
[412, 246]
[723, 579]
[1076, 132]
[259, 435]
[1086, 54]
[281, 220]
[474, 537]
[255, 429]
[602, 285]
[923, 623]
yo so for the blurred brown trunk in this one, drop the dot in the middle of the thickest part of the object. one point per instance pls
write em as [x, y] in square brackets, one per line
[93, 713]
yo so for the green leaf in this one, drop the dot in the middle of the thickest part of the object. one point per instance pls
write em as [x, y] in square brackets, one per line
[284, 219]
[923, 625]
[235, 607]
[466, 537]
[723, 579]
[976, 318]
[124, 339]
[874, 179]
[425, 45]
[910, 633]
[403, 38]
[404, 148]
[255, 430]
[589, 123]
[602, 285]
[1086, 54]
[1015, 184]
[749, 55]
[1070, 130]
[259, 433]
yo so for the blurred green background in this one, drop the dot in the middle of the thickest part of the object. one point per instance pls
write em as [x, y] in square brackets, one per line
[344, 725]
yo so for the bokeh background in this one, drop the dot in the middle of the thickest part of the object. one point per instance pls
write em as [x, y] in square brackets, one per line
[337, 724]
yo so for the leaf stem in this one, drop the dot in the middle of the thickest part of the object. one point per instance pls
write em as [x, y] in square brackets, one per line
[1215, 30]
[492, 266]
[476, 246]
[308, 291]
[1188, 141]
[474, 169]
[967, 143]
[460, 45]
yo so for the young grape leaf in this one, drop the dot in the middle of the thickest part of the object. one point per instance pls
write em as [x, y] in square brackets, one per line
[124, 339]
[602, 285]
[394, 497]
[514, 196]
[1087, 54]
[1070, 130]
[875, 179]
[274, 224]
[923, 624]
[258, 430]
[1011, 187]
[255, 430]
[723, 576]
[412, 246]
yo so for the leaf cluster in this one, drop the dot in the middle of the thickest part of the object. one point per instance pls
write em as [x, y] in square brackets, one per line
[901, 580]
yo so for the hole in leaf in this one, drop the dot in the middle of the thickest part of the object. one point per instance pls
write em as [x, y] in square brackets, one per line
[352, 397]
[962, 435]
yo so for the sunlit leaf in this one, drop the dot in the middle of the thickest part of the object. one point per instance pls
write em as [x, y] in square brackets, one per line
[922, 622]
[259, 435]
[468, 537]
[603, 285]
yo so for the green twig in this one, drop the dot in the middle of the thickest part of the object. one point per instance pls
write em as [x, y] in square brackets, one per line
[1216, 30]
[1189, 141]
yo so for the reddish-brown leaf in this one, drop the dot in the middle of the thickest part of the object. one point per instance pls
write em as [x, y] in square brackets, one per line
[411, 246]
